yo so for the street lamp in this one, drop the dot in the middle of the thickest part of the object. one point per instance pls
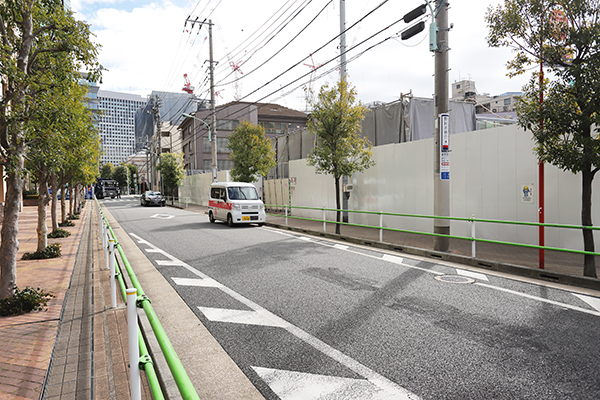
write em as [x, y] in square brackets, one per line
[213, 145]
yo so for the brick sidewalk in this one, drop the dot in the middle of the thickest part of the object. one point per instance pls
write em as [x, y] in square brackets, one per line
[79, 340]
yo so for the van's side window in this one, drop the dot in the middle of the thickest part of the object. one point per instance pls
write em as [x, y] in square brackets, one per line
[215, 193]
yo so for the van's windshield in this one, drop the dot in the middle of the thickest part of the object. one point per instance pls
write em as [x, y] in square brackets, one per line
[242, 193]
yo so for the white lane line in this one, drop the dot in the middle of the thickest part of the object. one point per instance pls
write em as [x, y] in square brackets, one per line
[208, 282]
[341, 247]
[592, 301]
[382, 382]
[293, 385]
[471, 274]
[238, 317]
[168, 262]
[541, 299]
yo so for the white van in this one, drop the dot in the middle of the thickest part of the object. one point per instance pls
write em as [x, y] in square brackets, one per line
[235, 203]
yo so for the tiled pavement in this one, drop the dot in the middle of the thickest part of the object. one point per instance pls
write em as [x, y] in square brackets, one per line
[84, 351]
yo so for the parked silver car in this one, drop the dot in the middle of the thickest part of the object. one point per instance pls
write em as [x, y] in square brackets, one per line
[149, 198]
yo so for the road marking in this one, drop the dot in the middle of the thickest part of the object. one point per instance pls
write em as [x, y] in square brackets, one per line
[155, 251]
[341, 247]
[383, 383]
[592, 301]
[208, 282]
[168, 262]
[162, 216]
[471, 274]
[238, 317]
[528, 296]
[293, 385]
[393, 259]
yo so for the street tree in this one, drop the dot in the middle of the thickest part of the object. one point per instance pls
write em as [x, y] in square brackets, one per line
[171, 170]
[106, 171]
[251, 152]
[31, 31]
[339, 150]
[134, 176]
[563, 35]
[61, 115]
[120, 174]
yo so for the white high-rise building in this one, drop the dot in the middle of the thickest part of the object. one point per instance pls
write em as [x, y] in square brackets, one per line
[117, 124]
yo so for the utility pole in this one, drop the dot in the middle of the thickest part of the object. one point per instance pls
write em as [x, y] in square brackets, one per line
[441, 167]
[343, 76]
[157, 149]
[213, 137]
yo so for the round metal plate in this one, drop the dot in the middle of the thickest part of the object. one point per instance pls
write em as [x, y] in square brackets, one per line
[454, 279]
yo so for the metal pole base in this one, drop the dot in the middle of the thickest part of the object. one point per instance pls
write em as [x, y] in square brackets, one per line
[441, 243]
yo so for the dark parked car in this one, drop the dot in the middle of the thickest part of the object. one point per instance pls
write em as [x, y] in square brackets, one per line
[152, 198]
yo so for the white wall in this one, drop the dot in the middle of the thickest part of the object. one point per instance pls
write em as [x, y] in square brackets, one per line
[488, 169]
[196, 188]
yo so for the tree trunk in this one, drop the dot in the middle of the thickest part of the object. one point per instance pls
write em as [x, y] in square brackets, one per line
[338, 205]
[10, 229]
[589, 263]
[63, 204]
[44, 199]
[72, 198]
[54, 187]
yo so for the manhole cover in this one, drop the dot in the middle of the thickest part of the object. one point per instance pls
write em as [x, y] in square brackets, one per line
[454, 279]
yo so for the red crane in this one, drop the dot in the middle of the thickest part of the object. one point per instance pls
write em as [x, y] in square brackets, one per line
[187, 86]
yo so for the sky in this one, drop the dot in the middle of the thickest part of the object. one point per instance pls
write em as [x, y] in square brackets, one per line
[265, 50]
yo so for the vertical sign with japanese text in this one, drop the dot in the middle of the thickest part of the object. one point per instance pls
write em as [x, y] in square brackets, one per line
[444, 121]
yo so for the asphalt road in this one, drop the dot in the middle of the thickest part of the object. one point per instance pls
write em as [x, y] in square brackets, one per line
[308, 318]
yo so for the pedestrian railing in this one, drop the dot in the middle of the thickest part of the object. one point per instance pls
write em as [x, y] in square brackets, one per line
[180, 376]
[179, 202]
[472, 220]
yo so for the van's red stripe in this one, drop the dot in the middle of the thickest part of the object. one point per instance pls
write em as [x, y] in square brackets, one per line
[225, 206]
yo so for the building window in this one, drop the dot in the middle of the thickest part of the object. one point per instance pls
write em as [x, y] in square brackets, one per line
[227, 125]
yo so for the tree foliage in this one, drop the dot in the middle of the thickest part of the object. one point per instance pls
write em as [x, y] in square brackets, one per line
[251, 152]
[33, 34]
[171, 170]
[565, 36]
[106, 171]
[120, 174]
[340, 150]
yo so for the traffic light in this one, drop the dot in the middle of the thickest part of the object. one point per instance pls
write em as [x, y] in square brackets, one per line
[417, 12]
[413, 30]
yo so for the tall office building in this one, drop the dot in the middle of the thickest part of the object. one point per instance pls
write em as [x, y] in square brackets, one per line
[117, 124]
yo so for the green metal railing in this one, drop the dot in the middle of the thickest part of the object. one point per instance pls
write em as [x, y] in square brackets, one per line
[184, 384]
[471, 220]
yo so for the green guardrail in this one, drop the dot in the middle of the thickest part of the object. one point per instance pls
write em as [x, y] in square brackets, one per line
[473, 220]
[182, 380]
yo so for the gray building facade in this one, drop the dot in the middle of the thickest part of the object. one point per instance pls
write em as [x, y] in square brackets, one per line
[116, 123]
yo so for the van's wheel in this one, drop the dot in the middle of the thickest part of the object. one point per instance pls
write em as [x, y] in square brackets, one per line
[211, 217]
[229, 220]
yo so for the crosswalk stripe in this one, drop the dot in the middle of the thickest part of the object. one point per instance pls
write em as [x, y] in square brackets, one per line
[293, 385]
[238, 317]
